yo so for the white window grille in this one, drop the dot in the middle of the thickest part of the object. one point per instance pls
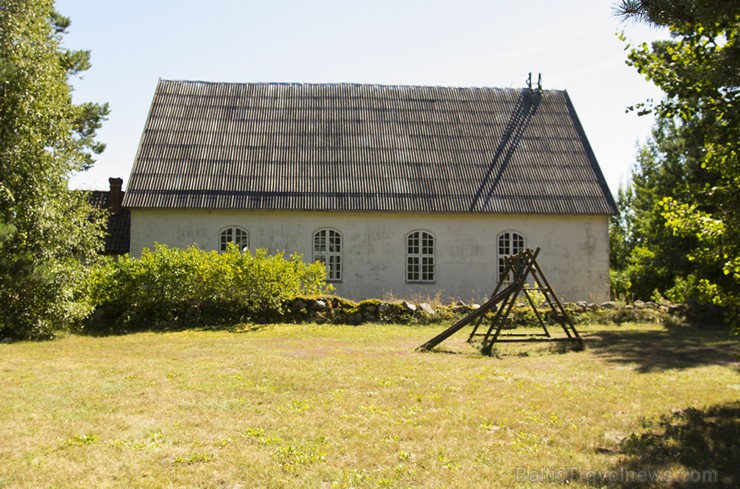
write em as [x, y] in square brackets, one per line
[236, 235]
[509, 243]
[420, 257]
[327, 248]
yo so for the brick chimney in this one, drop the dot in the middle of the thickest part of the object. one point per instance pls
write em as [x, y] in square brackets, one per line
[115, 196]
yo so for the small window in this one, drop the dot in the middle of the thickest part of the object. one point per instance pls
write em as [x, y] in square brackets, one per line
[509, 243]
[236, 235]
[327, 248]
[420, 257]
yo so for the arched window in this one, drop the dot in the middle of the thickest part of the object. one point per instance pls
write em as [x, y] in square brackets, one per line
[327, 248]
[420, 257]
[509, 243]
[236, 235]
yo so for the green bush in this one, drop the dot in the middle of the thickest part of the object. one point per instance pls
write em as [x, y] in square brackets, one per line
[620, 284]
[42, 292]
[170, 285]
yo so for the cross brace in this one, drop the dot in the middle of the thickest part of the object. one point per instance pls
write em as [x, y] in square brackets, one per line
[513, 282]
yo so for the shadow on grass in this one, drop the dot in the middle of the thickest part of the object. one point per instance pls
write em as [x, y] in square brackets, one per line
[658, 350]
[686, 449]
[103, 329]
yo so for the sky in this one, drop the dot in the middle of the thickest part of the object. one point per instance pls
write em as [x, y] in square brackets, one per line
[458, 43]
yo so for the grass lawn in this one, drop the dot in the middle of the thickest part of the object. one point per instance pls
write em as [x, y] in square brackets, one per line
[339, 406]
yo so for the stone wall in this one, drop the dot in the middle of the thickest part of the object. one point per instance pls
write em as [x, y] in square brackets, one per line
[331, 309]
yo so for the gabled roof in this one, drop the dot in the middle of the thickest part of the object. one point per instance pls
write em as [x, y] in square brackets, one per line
[347, 147]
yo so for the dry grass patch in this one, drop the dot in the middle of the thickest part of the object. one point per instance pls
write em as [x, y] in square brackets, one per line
[339, 407]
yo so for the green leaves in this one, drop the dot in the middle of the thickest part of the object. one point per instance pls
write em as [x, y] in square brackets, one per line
[170, 285]
[690, 186]
[44, 137]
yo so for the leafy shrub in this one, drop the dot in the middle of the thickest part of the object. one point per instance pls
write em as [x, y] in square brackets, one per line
[620, 284]
[42, 291]
[167, 285]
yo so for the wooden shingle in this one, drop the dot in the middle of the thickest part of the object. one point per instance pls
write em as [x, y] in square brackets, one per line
[347, 147]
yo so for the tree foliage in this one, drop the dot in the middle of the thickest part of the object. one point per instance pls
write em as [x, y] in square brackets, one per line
[647, 258]
[674, 12]
[686, 185]
[47, 232]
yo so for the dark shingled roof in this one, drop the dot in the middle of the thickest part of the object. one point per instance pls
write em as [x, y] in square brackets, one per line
[118, 235]
[347, 147]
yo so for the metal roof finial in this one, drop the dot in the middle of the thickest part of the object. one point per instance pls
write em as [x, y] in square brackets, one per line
[539, 82]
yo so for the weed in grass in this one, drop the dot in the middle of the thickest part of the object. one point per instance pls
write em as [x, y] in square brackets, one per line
[528, 442]
[408, 414]
[153, 440]
[254, 432]
[491, 427]
[80, 440]
[299, 406]
[258, 434]
[223, 443]
[537, 418]
[375, 410]
[195, 458]
[447, 464]
[290, 458]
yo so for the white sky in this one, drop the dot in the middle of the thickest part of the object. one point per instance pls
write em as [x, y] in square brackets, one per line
[493, 43]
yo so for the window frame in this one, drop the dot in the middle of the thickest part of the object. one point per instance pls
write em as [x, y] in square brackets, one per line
[515, 242]
[331, 258]
[232, 231]
[421, 261]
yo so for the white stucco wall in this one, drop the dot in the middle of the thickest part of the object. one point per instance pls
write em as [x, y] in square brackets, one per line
[574, 255]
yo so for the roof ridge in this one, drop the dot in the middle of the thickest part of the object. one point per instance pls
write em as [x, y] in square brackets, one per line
[354, 84]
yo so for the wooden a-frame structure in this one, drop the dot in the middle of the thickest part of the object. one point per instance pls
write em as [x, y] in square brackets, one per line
[519, 270]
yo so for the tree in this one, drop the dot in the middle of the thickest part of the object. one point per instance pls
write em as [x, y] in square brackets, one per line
[698, 201]
[647, 258]
[47, 232]
[674, 12]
